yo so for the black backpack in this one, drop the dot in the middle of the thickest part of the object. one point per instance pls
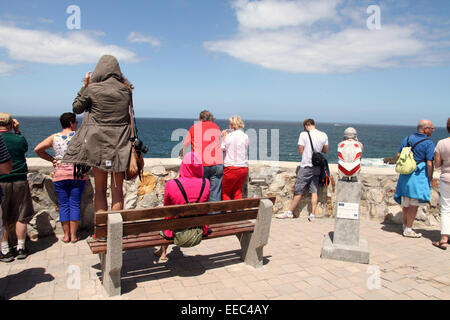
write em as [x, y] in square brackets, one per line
[189, 237]
[324, 180]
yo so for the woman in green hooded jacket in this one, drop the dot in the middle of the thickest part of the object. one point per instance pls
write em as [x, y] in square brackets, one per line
[103, 140]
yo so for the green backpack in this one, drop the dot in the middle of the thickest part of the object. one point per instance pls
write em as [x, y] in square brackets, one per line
[406, 163]
[189, 237]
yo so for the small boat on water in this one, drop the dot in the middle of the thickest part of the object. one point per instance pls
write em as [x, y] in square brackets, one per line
[338, 125]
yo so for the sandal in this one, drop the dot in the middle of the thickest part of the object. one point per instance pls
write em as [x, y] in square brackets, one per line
[158, 255]
[65, 241]
[440, 245]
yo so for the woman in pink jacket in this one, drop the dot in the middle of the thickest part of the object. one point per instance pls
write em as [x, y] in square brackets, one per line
[191, 178]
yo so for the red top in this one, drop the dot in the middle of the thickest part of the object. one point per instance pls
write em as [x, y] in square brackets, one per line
[205, 139]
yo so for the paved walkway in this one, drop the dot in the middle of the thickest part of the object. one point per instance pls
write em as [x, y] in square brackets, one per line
[408, 269]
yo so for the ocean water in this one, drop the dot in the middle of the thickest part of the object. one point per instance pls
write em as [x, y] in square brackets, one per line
[163, 135]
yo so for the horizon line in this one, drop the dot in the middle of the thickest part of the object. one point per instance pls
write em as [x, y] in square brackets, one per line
[264, 120]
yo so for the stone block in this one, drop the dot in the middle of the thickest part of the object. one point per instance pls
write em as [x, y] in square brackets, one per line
[358, 254]
[375, 195]
[111, 261]
[346, 244]
[252, 244]
[346, 232]
[148, 184]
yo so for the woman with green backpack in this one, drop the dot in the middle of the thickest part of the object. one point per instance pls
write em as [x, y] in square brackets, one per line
[190, 187]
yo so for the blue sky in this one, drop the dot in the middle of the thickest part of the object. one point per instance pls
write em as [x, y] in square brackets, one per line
[267, 59]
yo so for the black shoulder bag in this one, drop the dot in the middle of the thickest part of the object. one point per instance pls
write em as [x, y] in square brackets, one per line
[318, 159]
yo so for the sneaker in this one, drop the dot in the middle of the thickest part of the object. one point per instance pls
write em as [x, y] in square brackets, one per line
[285, 215]
[13, 251]
[6, 257]
[311, 217]
[411, 234]
[22, 254]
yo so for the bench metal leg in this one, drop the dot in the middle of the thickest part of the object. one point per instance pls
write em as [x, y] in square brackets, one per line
[252, 244]
[112, 259]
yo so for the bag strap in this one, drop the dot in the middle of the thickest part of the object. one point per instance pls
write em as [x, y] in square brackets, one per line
[312, 146]
[183, 192]
[412, 148]
[132, 120]
[418, 143]
[180, 186]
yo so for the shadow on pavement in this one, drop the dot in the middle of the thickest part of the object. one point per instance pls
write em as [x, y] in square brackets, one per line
[432, 235]
[136, 271]
[19, 283]
[41, 244]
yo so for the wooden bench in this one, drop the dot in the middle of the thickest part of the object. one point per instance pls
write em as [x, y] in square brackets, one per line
[139, 228]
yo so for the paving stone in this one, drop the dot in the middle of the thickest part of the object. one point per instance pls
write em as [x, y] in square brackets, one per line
[415, 294]
[409, 270]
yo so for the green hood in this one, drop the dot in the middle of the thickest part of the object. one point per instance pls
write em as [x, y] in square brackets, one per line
[107, 67]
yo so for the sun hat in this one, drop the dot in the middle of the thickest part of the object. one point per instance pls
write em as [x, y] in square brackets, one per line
[5, 119]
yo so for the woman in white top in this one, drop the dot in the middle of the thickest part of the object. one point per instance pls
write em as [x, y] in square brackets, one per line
[235, 160]
[442, 160]
[68, 190]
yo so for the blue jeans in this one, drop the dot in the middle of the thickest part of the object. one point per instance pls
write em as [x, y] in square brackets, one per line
[69, 194]
[214, 174]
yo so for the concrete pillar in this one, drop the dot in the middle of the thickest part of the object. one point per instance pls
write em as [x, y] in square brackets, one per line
[345, 244]
[112, 259]
[252, 244]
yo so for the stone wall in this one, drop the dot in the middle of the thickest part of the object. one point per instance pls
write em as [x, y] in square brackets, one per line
[265, 179]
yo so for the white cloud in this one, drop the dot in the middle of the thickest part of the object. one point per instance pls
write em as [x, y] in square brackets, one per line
[328, 36]
[137, 37]
[6, 69]
[45, 47]
[274, 14]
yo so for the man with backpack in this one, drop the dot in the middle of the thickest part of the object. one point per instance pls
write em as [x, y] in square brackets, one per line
[310, 145]
[413, 189]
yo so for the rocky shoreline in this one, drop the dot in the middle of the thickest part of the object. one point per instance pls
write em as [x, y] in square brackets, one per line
[266, 178]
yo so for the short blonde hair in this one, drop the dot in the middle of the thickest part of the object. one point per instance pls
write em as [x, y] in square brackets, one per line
[236, 122]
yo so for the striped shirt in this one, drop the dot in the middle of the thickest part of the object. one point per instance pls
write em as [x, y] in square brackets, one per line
[4, 154]
[4, 157]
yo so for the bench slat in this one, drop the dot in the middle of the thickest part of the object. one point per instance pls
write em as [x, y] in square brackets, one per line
[181, 210]
[153, 239]
[155, 234]
[131, 228]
